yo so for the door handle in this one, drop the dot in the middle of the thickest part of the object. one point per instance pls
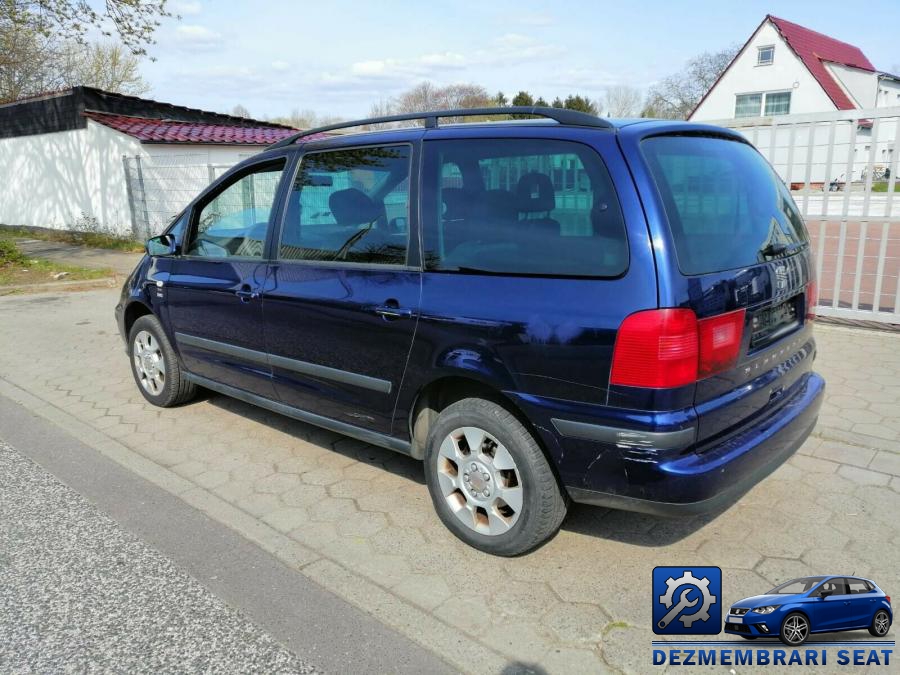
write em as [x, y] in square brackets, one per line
[392, 310]
[246, 293]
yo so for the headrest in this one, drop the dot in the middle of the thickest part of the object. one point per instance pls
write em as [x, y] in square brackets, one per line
[457, 203]
[352, 207]
[535, 193]
[498, 205]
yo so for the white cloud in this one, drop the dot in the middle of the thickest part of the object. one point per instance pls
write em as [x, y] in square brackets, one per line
[198, 38]
[280, 66]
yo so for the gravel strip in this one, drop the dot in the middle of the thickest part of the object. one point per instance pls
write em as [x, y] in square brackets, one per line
[79, 594]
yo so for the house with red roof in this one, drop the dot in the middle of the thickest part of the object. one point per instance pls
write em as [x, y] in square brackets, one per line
[785, 68]
[64, 155]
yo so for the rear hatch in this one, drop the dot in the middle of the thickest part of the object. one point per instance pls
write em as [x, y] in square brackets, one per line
[743, 255]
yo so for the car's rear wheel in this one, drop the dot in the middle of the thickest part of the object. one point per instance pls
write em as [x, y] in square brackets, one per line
[489, 479]
[881, 623]
[155, 365]
[794, 629]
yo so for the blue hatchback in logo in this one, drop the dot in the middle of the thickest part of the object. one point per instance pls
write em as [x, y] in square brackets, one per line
[687, 600]
[822, 604]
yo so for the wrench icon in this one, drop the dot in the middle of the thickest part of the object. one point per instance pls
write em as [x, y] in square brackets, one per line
[680, 605]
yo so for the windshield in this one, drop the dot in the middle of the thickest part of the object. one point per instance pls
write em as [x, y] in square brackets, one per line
[725, 205]
[796, 586]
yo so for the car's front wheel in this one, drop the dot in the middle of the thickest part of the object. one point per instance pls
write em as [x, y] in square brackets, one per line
[489, 479]
[881, 622]
[794, 629]
[155, 365]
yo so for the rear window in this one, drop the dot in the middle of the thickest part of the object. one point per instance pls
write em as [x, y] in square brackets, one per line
[517, 206]
[726, 207]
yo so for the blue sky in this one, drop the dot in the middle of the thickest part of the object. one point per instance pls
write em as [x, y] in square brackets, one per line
[338, 57]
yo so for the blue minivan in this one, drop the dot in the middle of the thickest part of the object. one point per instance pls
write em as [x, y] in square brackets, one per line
[545, 309]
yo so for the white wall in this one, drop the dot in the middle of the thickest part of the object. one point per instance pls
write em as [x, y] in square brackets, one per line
[888, 93]
[56, 180]
[859, 85]
[51, 180]
[787, 73]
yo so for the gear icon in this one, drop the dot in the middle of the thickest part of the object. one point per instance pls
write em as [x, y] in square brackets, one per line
[702, 585]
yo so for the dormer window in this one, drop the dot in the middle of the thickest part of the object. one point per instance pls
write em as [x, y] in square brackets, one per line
[765, 55]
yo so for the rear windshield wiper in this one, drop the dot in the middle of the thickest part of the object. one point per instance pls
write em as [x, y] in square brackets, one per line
[774, 249]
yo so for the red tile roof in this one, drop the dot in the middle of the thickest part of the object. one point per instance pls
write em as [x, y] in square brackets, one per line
[814, 49]
[168, 131]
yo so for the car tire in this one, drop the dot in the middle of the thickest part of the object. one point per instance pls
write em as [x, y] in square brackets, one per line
[881, 623]
[794, 629]
[498, 494]
[155, 366]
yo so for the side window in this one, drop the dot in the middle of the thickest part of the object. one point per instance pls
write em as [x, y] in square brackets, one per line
[234, 222]
[858, 586]
[349, 206]
[515, 206]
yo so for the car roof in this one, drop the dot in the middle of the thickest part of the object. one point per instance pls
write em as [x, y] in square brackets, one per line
[638, 128]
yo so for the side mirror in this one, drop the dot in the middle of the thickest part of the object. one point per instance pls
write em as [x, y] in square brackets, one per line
[825, 594]
[164, 244]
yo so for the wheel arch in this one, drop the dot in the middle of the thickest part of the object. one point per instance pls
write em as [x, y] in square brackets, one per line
[449, 388]
[134, 310]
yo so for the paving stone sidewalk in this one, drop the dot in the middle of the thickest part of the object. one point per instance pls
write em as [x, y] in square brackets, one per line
[364, 525]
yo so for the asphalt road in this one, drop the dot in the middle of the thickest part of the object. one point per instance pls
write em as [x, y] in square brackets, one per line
[80, 592]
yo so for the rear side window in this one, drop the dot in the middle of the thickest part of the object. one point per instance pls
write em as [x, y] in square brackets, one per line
[726, 207]
[520, 206]
[349, 205]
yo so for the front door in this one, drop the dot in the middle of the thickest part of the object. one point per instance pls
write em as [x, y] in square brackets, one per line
[341, 305]
[214, 292]
[832, 611]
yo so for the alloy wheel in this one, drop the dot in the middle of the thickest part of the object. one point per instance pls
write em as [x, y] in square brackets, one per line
[796, 628]
[149, 363]
[882, 623]
[480, 481]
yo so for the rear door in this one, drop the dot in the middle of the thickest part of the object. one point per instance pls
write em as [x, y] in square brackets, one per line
[215, 287]
[342, 303]
[737, 253]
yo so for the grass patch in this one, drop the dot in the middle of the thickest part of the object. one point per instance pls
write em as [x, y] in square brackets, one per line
[106, 240]
[883, 187]
[16, 269]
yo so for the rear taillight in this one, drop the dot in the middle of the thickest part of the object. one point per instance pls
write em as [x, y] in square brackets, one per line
[888, 598]
[657, 348]
[662, 348]
[720, 342]
[812, 299]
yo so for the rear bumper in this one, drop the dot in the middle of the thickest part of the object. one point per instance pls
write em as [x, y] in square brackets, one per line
[664, 479]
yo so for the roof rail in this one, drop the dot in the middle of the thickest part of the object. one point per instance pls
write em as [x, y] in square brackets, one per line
[563, 116]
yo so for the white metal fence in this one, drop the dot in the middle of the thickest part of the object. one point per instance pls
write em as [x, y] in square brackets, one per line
[842, 170]
[160, 187]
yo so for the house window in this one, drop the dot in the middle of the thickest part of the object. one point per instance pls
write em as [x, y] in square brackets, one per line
[764, 103]
[747, 105]
[765, 55]
[778, 103]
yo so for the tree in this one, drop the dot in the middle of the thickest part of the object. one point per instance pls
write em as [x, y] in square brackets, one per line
[500, 99]
[304, 119]
[523, 98]
[31, 63]
[106, 66]
[558, 103]
[580, 103]
[676, 96]
[132, 21]
[426, 96]
[622, 100]
[540, 102]
[240, 111]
